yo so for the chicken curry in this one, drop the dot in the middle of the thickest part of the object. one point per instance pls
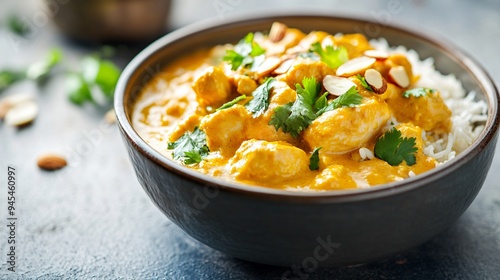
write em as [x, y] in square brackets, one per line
[293, 111]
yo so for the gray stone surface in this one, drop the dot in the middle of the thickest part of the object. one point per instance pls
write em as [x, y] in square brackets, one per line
[92, 219]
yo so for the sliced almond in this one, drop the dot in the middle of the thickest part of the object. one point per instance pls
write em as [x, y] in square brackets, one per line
[337, 85]
[269, 64]
[355, 66]
[399, 76]
[381, 55]
[51, 162]
[277, 32]
[284, 66]
[11, 101]
[327, 41]
[376, 81]
[4, 108]
[22, 114]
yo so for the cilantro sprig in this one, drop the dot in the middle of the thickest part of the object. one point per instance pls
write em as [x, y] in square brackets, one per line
[314, 159]
[296, 116]
[349, 99]
[260, 101]
[244, 53]
[332, 56]
[393, 148]
[191, 147]
[418, 92]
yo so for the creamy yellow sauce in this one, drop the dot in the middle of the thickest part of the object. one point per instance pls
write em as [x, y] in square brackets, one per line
[249, 150]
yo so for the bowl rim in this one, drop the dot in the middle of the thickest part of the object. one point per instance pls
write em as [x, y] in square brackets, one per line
[467, 62]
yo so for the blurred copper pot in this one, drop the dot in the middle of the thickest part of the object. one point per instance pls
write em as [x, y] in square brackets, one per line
[111, 20]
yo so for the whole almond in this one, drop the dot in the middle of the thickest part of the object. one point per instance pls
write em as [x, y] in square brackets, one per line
[51, 162]
[376, 81]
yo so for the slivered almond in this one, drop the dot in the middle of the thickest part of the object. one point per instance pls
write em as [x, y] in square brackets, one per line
[284, 66]
[51, 162]
[277, 32]
[399, 76]
[269, 64]
[337, 85]
[355, 66]
[376, 81]
[327, 41]
[22, 114]
[381, 55]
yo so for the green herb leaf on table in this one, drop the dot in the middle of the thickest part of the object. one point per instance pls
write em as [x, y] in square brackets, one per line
[9, 77]
[191, 147]
[363, 82]
[393, 148]
[349, 99]
[294, 117]
[314, 159]
[260, 101]
[418, 92]
[40, 71]
[18, 26]
[77, 89]
[244, 53]
[332, 56]
[232, 102]
[102, 73]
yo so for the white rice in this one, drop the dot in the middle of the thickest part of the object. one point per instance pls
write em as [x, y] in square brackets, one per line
[468, 115]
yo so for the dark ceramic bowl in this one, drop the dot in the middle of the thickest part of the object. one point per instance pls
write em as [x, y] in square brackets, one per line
[308, 229]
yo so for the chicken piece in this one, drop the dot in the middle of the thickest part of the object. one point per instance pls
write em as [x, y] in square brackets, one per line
[355, 44]
[345, 129]
[429, 112]
[305, 43]
[226, 129]
[306, 68]
[383, 66]
[184, 126]
[262, 161]
[334, 177]
[212, 87]
[291, 38]
[244, 84]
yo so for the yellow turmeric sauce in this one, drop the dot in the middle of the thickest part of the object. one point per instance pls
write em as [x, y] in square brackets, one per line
[248, 149]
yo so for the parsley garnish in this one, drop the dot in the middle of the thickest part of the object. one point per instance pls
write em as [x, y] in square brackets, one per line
[332, 56]
[232, 102]
[260, 101]
[363, 82]
[244, 53]
[314, 159]
[393, 148]
[418, 92]
[296, 116]
[191, 147]
[348, 99]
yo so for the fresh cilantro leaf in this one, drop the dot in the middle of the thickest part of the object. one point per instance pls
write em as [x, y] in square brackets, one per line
[321, 102]
[314, 159]
[244, 53]
[232, 102]
[332, 56]
[295, 117]
[418, 92]
[363, 82]
[393, 148]
[191, 147]
[349, 99]
[260, 101]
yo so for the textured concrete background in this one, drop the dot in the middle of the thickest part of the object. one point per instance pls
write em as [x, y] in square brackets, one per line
[92, 219]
